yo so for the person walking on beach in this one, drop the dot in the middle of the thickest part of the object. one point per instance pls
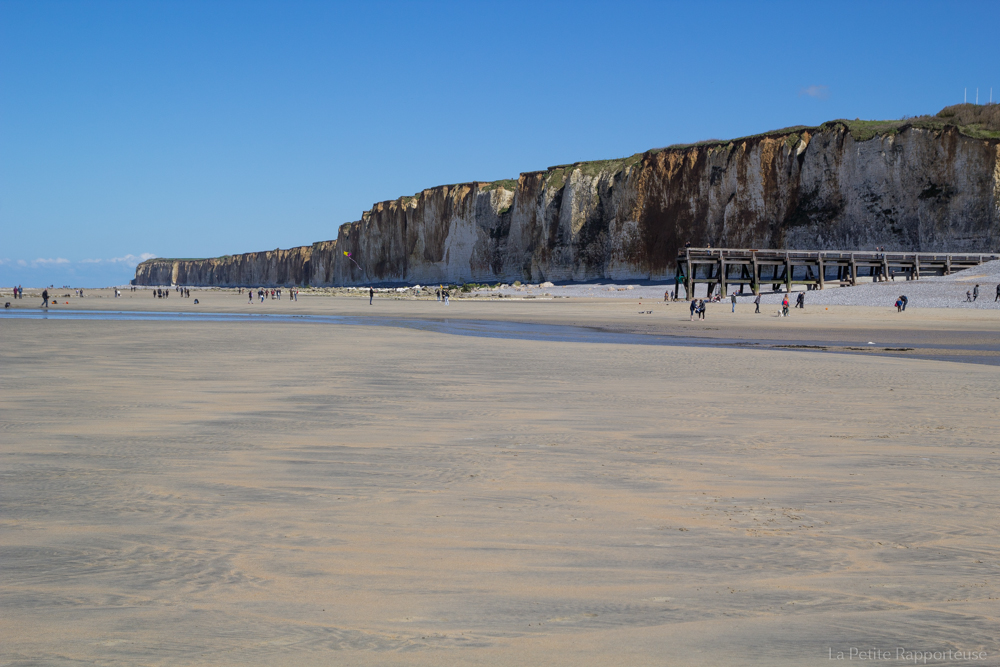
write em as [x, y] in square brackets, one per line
[756, 303]
[994, 300]
[45, 298]
[968, 296]
[903, 301]
[666, 296]
[701, 309]
[784, 306]
[733, 297]
[800, 300]
[975, 292]
[694, 307]
[371, 295]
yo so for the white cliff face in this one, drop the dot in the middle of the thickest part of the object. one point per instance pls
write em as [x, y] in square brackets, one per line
[912, 191]
[818, 188]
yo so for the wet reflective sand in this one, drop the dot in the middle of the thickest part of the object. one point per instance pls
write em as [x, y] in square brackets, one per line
[962, 345]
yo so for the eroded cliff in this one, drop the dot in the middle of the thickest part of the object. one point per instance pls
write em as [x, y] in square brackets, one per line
[928, 184]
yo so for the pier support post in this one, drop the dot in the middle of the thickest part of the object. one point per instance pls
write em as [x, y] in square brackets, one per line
[688, 278]
[722, 275]
[853, 268]
[822, 271]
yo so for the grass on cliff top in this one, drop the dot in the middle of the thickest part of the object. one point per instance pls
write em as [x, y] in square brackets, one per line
[504, 183]
[557, 175]
[154, 260]
[979, 121]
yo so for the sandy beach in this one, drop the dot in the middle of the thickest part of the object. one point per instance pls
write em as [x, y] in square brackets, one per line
[298, 493]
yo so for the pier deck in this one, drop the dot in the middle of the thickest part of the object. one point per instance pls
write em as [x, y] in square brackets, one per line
[814, 268]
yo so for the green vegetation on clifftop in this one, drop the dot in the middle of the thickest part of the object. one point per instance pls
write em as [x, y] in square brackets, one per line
[156, 260]
[557, 175]
[505, 184]
[978, 121]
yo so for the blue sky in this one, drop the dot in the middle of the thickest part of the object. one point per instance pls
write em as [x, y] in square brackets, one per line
[196, 129]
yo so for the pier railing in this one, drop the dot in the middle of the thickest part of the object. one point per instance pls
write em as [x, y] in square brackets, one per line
[814, 268]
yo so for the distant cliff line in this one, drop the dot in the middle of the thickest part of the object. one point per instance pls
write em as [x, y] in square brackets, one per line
[922, 184]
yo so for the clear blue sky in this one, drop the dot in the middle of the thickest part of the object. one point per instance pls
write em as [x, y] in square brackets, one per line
[195, 129]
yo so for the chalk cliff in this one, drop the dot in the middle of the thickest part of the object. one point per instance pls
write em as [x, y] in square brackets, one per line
[925, 184]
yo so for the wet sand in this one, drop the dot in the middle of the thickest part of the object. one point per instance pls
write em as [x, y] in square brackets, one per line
[930, 333]
[273, 493]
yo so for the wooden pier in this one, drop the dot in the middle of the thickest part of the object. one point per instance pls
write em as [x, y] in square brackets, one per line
[816, 269]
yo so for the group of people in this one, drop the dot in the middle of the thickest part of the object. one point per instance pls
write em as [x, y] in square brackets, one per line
[800, 302]
[275, 293]
[697, 309]
[973, 295]
[18, 292]
[698, 305]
